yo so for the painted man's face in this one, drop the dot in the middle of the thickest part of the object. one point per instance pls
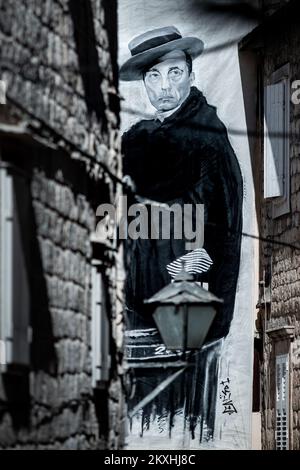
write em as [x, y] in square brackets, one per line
[168, 83]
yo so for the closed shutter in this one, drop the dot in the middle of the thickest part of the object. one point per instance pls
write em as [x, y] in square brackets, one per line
[14, 269]
[6, 262]
[100, 329]
[274, 141]
[282, 402]
[3, 89]
[2, 354]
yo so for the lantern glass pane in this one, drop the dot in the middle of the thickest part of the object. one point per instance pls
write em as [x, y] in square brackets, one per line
[169, 320]
[170, 323]
[200, 319]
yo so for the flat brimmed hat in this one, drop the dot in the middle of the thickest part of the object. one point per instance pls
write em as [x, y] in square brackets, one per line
[148, 47]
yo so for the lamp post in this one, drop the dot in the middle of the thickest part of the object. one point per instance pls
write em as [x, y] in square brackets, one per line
[184, 312]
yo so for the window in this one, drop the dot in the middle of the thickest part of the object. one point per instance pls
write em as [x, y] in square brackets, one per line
[100, 328]
[276, 142]
[14, 279]
[282, 402]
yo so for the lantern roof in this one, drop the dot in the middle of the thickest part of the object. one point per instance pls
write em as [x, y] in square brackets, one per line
[183, 290]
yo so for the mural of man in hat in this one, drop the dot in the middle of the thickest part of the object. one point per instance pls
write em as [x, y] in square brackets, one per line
[183, 156]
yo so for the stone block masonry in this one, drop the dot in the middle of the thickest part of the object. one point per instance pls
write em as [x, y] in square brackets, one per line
[58, 59]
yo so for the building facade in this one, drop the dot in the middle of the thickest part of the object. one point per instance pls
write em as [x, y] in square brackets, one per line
[273, 51]
[61, 305]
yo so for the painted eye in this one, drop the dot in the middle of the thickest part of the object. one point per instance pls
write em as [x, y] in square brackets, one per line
[153, 76]
[175, 73]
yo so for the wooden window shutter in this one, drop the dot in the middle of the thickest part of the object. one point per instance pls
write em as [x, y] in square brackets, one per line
[282, 402]
[274, 140]
[100, 329]
[14, 269]
[6, 262]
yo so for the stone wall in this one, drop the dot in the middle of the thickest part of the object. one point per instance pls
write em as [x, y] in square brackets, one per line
[58, 59]
[281, 263]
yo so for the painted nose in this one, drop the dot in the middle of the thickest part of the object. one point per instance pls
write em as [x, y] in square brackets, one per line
[165, 83]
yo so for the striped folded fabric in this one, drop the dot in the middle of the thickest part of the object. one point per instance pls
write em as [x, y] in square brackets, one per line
[195, 262]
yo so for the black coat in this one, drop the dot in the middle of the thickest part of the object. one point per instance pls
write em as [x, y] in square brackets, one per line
[187, 158]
